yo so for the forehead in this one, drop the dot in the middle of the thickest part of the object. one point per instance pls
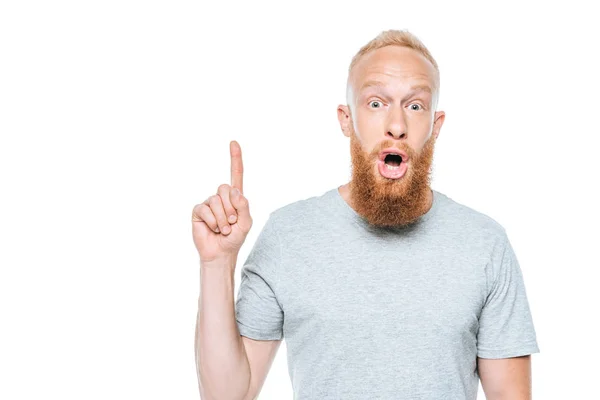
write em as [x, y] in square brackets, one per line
[395, 65]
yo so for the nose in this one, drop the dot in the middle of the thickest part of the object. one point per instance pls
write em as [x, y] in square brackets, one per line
[396, 124]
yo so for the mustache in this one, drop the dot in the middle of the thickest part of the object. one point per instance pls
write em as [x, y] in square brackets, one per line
[374, 155]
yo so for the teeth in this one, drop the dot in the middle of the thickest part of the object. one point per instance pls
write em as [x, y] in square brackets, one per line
[391, 167]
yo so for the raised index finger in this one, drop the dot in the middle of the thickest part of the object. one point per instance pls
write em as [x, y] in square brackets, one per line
[237, 167]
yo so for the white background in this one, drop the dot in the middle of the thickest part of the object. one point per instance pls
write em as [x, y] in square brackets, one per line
[116, 118]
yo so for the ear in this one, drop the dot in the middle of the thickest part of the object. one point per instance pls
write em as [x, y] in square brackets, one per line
[438, 121]
[345, 119]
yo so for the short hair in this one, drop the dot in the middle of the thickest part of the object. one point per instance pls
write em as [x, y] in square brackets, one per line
[397, 38]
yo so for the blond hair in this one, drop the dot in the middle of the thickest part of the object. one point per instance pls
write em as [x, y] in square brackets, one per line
[394, 37]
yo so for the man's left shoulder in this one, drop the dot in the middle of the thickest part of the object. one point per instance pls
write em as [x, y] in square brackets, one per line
[470, 219]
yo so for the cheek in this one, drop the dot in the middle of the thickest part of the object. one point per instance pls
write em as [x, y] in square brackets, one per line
[369, 124]
[418, 146]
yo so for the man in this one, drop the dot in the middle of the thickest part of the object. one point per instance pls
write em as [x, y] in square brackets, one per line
[382, 288]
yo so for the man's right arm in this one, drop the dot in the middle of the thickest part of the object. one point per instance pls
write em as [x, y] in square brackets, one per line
[229, 366]
[261, 354]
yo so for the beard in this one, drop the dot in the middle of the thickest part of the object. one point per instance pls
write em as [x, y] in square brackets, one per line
[386, 202]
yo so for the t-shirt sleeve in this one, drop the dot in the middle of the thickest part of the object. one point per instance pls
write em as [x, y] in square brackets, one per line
[505, 324]
[258, 312]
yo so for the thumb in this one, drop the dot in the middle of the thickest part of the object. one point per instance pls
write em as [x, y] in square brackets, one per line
[240, 203]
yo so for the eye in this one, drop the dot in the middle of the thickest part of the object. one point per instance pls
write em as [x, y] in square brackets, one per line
[375, 101]
[416, 104]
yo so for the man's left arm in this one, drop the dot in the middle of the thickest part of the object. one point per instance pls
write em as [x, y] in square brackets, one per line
[506, 337]
[505, 378]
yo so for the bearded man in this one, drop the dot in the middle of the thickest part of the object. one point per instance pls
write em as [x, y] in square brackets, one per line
[383, 288]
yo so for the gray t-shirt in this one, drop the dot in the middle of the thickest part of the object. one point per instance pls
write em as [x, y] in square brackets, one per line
[384, 313]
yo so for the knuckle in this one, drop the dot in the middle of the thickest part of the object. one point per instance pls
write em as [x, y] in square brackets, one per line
[223, 187]
[205, 213]
[229, 206]
[217, 209]
[223, 197]
[214, 200]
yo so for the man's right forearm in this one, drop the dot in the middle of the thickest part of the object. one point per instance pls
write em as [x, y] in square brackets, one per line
[222, 364]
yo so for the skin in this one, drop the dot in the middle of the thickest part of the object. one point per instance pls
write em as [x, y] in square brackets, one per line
[505, 378]
[394, 116]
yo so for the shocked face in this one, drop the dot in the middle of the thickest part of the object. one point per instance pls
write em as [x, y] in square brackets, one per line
[392, 129]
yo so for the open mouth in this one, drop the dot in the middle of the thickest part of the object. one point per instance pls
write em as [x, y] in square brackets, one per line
[393, 161]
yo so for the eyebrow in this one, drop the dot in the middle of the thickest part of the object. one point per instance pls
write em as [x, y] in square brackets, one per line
[414, 88]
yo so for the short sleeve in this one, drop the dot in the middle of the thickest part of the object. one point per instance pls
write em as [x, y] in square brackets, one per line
[505, 324]
[258, 313]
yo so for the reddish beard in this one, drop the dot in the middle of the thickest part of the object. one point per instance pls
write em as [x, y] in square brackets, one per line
[390, 202]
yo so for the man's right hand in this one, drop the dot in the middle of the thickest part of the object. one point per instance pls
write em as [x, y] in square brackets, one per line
[221, 223]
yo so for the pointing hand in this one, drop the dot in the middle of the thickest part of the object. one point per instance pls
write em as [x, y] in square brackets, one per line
[221, 223]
